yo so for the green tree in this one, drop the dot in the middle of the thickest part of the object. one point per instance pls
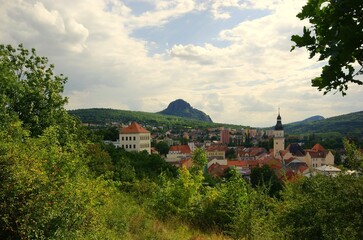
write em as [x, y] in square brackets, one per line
[30, 91]
[336, 35]
[199, 158]
[265, 177]
[99, 161]
[354, 158]
[162, 147]
[45, 190]
[248, 142]
[231, 153]
[179, 197]
[322, 207]
[232, 207]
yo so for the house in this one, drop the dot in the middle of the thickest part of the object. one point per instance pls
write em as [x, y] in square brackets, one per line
[177, 153]
[242, 167]
[315, 157]
[252, 153]
[297, 166]
[328, 170]
[135, 138]
[185, 162]
[318, 156]
[217, 170]
[216, 152]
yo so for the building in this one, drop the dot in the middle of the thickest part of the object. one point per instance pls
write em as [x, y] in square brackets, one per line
[225, 136]
[328, 170]
[316, 157]
[135, 138]
[279, 139]
[252, 153]
[177, 153]
[216, 152]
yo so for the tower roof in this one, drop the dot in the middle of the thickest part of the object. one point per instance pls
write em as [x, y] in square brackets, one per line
[278, 123]
[134, 128]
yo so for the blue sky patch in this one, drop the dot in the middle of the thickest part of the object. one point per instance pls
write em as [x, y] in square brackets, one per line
[195, 28]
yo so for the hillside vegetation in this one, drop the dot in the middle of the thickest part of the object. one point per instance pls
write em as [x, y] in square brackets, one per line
[59, 182]
[347, 125]
[103, 116]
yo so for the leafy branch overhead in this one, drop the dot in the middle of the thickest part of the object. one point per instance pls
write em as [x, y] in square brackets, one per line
[335, 35]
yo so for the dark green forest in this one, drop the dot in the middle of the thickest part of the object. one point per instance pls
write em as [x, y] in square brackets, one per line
[347, 125]
[103, 116]
[58, 181]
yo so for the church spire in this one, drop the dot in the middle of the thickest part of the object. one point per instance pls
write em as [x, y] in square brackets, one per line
[279, 140]
[278, 123]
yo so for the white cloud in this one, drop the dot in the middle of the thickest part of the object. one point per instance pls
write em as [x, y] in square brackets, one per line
[38, 24]
[164, 12]
[243, 82]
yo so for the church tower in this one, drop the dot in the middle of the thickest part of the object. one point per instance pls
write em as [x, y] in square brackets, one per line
[279, 139]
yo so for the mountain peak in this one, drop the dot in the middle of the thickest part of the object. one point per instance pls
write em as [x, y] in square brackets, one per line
[181, 108]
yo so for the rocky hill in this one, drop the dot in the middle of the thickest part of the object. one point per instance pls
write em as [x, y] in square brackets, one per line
[181, 108]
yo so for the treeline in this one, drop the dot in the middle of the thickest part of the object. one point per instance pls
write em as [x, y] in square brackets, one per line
[347, 125]
[103, 116]
[59, 182]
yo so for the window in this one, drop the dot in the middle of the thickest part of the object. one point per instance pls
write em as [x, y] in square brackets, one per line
[134, 146]
[134, 138]
[123, 138]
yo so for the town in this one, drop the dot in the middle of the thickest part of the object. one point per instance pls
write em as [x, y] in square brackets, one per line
[224, 150]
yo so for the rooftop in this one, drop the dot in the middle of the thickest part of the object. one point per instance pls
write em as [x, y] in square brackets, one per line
[134, 128]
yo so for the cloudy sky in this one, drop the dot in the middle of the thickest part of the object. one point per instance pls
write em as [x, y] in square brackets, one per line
[228, 58]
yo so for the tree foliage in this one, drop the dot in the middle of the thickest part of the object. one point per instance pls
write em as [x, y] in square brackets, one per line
[58, 182]
[199, 158]
[322, 207]
[30, 91]
[354, 157]
[45, 190]
[162, 147]
[265, 177]
[335, 35]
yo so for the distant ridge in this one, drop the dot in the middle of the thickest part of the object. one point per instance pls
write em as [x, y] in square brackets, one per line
[310, 119]
[350, 124]
[181, 108]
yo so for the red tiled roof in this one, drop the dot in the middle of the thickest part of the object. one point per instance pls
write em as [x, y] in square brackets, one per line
[180, 148]
[283, 152]
[237, 163]
[287, 161]
[318, 147]
[186, 162]
[319, 154]
[134, 128]
[302, 168]
[217, 170]
[217, 148]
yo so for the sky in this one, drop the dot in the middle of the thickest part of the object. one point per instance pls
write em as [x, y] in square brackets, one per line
[228, 58]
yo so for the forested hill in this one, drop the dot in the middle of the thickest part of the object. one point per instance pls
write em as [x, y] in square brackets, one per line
[102, 116]
[347, 125]
[181, 108]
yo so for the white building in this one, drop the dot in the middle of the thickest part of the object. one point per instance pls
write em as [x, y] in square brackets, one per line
[279, 139]
[135, 138]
